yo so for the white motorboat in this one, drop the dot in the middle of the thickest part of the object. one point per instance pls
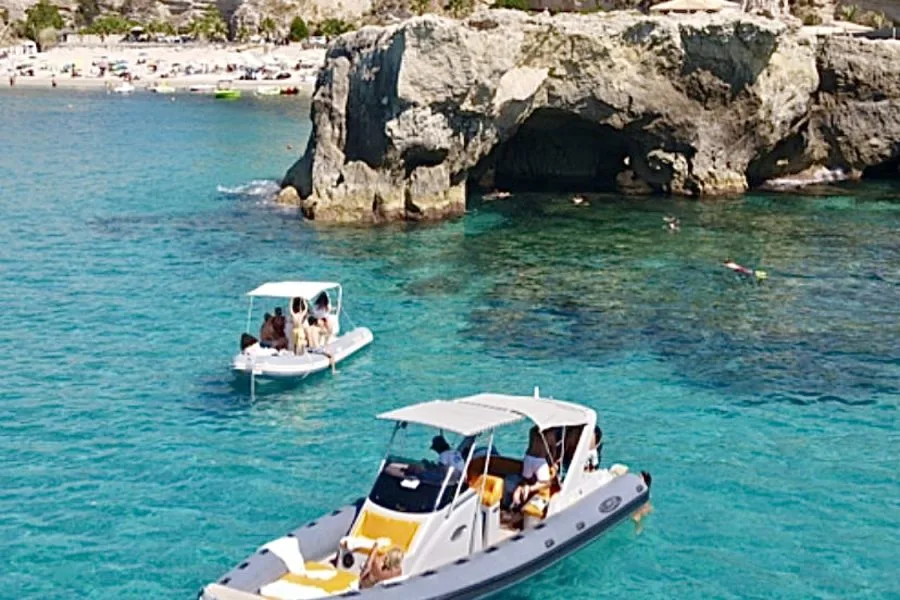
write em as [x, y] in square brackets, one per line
[162, 88]
[123, 88]
[268, 90]
[435, 530]
[259, 358]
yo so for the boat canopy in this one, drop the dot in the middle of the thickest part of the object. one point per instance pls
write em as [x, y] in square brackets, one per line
[474, 414]
[452, 416]
[293, 289]
[544, 412]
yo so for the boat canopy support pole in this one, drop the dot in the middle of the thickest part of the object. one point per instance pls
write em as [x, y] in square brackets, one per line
[390, 444]
[462, 477]
[249, 314]
[487, 461]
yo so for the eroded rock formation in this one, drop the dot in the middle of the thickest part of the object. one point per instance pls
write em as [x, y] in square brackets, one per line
[406, 116]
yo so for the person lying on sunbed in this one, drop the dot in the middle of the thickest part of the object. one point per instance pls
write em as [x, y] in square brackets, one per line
[381, 566]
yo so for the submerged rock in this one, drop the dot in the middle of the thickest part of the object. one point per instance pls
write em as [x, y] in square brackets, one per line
[406, 116]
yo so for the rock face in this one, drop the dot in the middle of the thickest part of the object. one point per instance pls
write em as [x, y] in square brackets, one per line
[241, 12]
[405, 116]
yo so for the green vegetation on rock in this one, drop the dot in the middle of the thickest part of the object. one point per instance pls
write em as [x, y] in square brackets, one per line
[210, 26]
[86, 12]
[109, 25]
[333, 27]
[512, 4]
[299, 30]
[40, 18]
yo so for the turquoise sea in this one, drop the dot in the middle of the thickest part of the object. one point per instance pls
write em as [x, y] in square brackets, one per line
[132, 466]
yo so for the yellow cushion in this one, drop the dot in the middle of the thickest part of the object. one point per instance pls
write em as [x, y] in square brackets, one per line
[492, 492]
[374, 526]
[341, 582]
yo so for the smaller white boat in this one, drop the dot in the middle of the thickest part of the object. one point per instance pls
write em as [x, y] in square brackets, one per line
[261, 358]
[123, 88]
[202, 89]
[268, 90]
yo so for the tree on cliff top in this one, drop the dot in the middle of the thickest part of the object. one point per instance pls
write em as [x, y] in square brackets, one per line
[299, 30]
[332, 28]
[210, 26]
[38, 19]
[268, 27]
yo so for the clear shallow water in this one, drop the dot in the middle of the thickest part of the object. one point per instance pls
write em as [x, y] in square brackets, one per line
[132, 466]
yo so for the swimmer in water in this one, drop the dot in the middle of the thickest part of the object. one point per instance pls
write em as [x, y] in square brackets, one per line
[672, 224]
[645, 510]
[742, 270]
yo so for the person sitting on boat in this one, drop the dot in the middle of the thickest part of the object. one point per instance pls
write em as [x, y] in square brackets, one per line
[593, 461]
[299, 337]
[279, 323]
[447, 456]
[267, 332]
[381, 566]
[537, 470]
[321, 317]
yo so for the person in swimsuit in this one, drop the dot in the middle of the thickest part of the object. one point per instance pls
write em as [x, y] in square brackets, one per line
[742, 270]
[644, 510]
[299, 328]
[537, 471]
[381, 567]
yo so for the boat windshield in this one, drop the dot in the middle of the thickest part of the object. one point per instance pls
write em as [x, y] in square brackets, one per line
[413, 486]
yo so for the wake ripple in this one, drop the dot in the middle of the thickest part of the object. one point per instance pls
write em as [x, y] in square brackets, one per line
[820, 175]
[259, 190]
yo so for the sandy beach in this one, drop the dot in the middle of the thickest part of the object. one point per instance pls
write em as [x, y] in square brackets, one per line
[179, 66]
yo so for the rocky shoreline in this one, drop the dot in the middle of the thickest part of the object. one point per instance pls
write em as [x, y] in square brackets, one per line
[407, 118]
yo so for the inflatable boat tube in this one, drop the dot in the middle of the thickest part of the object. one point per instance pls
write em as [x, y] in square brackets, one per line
[484, 573]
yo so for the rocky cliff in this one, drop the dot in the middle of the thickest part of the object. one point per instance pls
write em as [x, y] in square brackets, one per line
[406, 117]
[241, 12]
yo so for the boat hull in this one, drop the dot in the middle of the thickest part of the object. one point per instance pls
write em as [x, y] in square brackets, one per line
[286, 366]
[483, 574]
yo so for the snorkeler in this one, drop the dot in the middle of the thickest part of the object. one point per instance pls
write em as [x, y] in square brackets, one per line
[672, 224]
[742, 270]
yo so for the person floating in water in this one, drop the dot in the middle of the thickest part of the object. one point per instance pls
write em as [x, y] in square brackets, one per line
[755, 274]
[644, 510]
[672, 223]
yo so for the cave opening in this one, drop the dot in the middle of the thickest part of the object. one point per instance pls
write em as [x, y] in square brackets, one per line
[890, 169]
[554, 151]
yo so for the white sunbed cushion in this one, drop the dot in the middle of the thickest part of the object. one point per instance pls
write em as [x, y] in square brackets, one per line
[286, 590]
[288, 550]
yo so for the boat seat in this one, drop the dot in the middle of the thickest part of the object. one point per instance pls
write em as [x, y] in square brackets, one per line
[498, 466]
[371, 526]
[319, 580]
[489, 487]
